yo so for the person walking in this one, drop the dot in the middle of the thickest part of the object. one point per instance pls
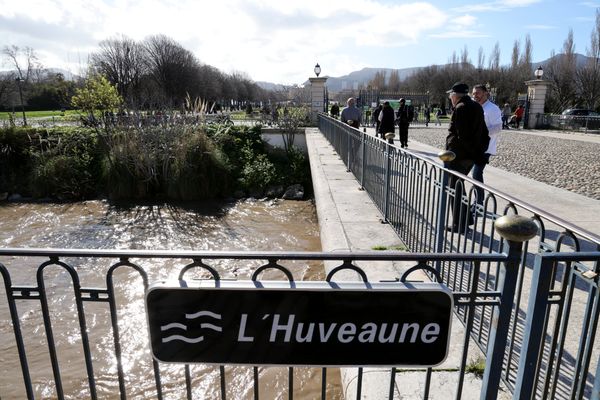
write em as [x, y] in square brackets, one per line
[350, 114]
[386, 120]
[506, 113]
[438, 114]
[376, 113]
[403, 119]
[335, 110]
[519, 112]
[493, 121]
[468, 138]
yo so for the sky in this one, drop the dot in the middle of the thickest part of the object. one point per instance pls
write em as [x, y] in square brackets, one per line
[280, 41]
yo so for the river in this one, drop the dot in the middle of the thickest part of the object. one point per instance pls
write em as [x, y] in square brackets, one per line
[237, 226]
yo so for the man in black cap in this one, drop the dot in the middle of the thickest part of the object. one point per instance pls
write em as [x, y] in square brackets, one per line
[468, 138]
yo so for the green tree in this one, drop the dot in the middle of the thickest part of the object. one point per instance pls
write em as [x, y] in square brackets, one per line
[97, 96]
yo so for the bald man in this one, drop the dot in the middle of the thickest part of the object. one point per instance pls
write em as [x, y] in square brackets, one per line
[351, 115]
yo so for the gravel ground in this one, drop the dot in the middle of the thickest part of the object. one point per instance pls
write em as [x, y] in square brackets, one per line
[562, 162]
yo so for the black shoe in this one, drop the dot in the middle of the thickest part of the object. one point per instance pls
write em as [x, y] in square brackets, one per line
[457, 228]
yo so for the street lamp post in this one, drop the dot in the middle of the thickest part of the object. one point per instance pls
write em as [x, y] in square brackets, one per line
[317, 70]
[19, 80]
[318, 94]
[536, 98]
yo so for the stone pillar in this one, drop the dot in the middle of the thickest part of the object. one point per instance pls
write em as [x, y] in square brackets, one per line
[536, 96]
[317, 97]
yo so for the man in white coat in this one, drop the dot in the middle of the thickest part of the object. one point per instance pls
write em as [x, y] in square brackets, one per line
[493, 121]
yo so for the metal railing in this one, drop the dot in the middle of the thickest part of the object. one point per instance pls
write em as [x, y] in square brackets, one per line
[76, 330]
[413, 196]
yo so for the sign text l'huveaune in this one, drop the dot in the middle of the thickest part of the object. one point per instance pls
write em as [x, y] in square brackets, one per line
[267, 323]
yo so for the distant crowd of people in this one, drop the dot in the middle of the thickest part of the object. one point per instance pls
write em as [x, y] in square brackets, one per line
[475, 124]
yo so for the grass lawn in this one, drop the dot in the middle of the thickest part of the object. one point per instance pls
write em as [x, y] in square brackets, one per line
[38, 114]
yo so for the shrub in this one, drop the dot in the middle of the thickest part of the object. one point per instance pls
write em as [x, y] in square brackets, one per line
[65, 164]
[173, 161]
[15, 159]
[258, 173]
[292, 167]
[60, 162]
[198, 171]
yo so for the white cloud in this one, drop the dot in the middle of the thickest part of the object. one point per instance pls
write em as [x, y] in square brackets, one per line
[540, 27]
[500, 5]
[464, 34]
[269, 39]
[461, 27]
[593, 4]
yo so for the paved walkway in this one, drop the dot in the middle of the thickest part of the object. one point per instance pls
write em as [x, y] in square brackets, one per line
[570, 207]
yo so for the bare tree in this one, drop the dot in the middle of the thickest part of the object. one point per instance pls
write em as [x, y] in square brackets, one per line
[494, 63]
[394, 82]
[560, 71]
[453, 59]
[480, 59]
[588, 76]
[121, 61]
[522, 71]
[378, 81]
[24, 60]
[514, 58]
[173, 68]
[464, 57]
[525, 58]
[7, 89]
[209, 83]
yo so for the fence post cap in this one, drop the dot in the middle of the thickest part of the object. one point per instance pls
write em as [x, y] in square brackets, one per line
[446, 155]
[516, 228]
[390, 135]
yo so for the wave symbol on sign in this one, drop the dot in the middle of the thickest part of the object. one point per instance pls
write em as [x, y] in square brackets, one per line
[183, 327]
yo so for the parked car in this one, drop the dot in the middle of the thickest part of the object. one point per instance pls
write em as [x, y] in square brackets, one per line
[580, 112]
[577, 118]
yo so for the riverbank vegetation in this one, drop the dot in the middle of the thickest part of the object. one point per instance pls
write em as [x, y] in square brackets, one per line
[159, 161]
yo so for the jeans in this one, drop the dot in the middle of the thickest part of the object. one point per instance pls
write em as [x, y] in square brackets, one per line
[403, 134]
[461, 215]
[477, 174]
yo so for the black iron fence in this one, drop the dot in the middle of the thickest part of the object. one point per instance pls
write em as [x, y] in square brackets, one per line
[65, 339]
[413, 195]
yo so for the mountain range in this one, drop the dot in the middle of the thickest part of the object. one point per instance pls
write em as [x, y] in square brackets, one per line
[356, 79]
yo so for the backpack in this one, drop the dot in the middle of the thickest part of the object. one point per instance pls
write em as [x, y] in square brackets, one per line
[410, 113]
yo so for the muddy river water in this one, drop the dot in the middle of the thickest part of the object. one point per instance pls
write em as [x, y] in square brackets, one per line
[237, 226]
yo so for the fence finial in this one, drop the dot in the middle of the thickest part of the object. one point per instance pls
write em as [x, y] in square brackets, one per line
[446, 155]
[516, 228]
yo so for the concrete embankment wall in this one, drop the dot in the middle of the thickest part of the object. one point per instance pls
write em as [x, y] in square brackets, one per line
[349, 221]
[274, 137]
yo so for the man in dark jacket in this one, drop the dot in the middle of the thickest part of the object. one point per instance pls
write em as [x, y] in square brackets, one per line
[405, 116]
[468, 138]
[376, 118]
[386, 119]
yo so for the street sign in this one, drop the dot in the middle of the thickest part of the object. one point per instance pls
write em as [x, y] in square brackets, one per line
[311, 324]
